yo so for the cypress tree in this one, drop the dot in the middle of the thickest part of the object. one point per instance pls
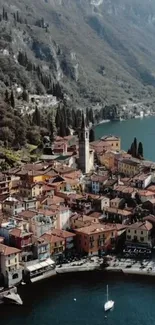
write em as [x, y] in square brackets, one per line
[6, 96]
[135, 147]
[140, 149]
[12, 99]
[36, 117]
[91, 135]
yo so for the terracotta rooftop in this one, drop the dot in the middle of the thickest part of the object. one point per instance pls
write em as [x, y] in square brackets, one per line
[146, 225]
[27, 214]
[52, 238]
[121, 212]
[145, 193]
[99, 178]
[7, 250]
[96, 228]
[54, 200]
[19, 233]
[62, 233]
[151, 188]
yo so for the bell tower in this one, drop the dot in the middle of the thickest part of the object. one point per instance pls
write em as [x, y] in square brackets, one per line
[84, 146]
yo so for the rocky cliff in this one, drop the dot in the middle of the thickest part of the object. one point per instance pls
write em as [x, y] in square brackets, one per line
[97, 50]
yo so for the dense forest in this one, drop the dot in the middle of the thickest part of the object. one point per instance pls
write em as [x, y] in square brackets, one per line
[17, 129]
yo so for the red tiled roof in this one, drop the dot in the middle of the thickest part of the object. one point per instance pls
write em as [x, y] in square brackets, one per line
[62, 233]
[7, 250]
[146, 225]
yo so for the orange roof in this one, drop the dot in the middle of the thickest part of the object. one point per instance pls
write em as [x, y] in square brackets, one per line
[54, 200]
[19, 233]
[52, 238]
[145, 193]
[27, 214]
[118, 211]
[96, 228]
[62, 233]
[7, 250]
[146, 225]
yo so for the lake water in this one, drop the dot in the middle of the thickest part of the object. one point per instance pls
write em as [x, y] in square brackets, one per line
[142, 129]
[52, 302]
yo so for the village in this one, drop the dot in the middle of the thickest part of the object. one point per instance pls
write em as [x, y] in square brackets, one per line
[84, 200]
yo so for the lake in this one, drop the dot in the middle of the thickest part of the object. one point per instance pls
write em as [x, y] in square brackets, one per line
[52, 302]
[142, 129]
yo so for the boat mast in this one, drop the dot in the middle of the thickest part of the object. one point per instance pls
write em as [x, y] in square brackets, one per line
[107, 293]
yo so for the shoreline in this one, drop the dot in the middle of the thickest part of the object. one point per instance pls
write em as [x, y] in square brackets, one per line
[123, 266]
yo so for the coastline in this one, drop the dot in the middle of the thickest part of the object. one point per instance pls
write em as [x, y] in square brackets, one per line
[124, 266]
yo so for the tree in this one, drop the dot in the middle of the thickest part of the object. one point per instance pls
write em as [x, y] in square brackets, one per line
[6, 96]
[135, 147]
[36, 119]
[140, 150]
[51, 127]
[91, 135]
[25, 95]
[91, 116]
[12, 99]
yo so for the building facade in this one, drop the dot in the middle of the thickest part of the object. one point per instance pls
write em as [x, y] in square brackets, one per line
[10, 265]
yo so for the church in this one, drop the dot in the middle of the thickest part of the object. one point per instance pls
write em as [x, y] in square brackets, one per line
[86, 154]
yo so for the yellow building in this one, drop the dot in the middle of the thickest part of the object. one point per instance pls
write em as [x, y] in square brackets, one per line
[107, 159]
[128, 167]
[139, 233]
[10, 265]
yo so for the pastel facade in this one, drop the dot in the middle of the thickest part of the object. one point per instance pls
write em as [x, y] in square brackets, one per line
[10, 265]
[95, 239]
[139, 233]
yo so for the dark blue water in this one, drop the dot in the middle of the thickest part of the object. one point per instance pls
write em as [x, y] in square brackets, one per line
[143, 129]
[52, 302]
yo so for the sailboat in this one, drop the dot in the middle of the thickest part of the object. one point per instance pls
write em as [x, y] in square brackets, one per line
[109, 303]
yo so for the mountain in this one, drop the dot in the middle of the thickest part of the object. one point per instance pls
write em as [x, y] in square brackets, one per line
[96, 50]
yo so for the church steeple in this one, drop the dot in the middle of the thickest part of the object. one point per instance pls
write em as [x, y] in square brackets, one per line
[83, 125]
[84, 145]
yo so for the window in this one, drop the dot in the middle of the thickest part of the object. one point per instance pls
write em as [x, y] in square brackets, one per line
[141, 232]
[135, 231]
[8, 261]
[15, 260]
[128, 237]
[15, 276]
[142, 239]
[128, 230]
[116, 144]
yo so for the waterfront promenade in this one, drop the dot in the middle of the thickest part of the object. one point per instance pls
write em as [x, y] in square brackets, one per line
[126, 266]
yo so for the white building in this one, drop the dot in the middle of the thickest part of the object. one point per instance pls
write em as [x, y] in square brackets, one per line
[12, 206]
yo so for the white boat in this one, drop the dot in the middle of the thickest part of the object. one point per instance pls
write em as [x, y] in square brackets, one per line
[109, 304]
